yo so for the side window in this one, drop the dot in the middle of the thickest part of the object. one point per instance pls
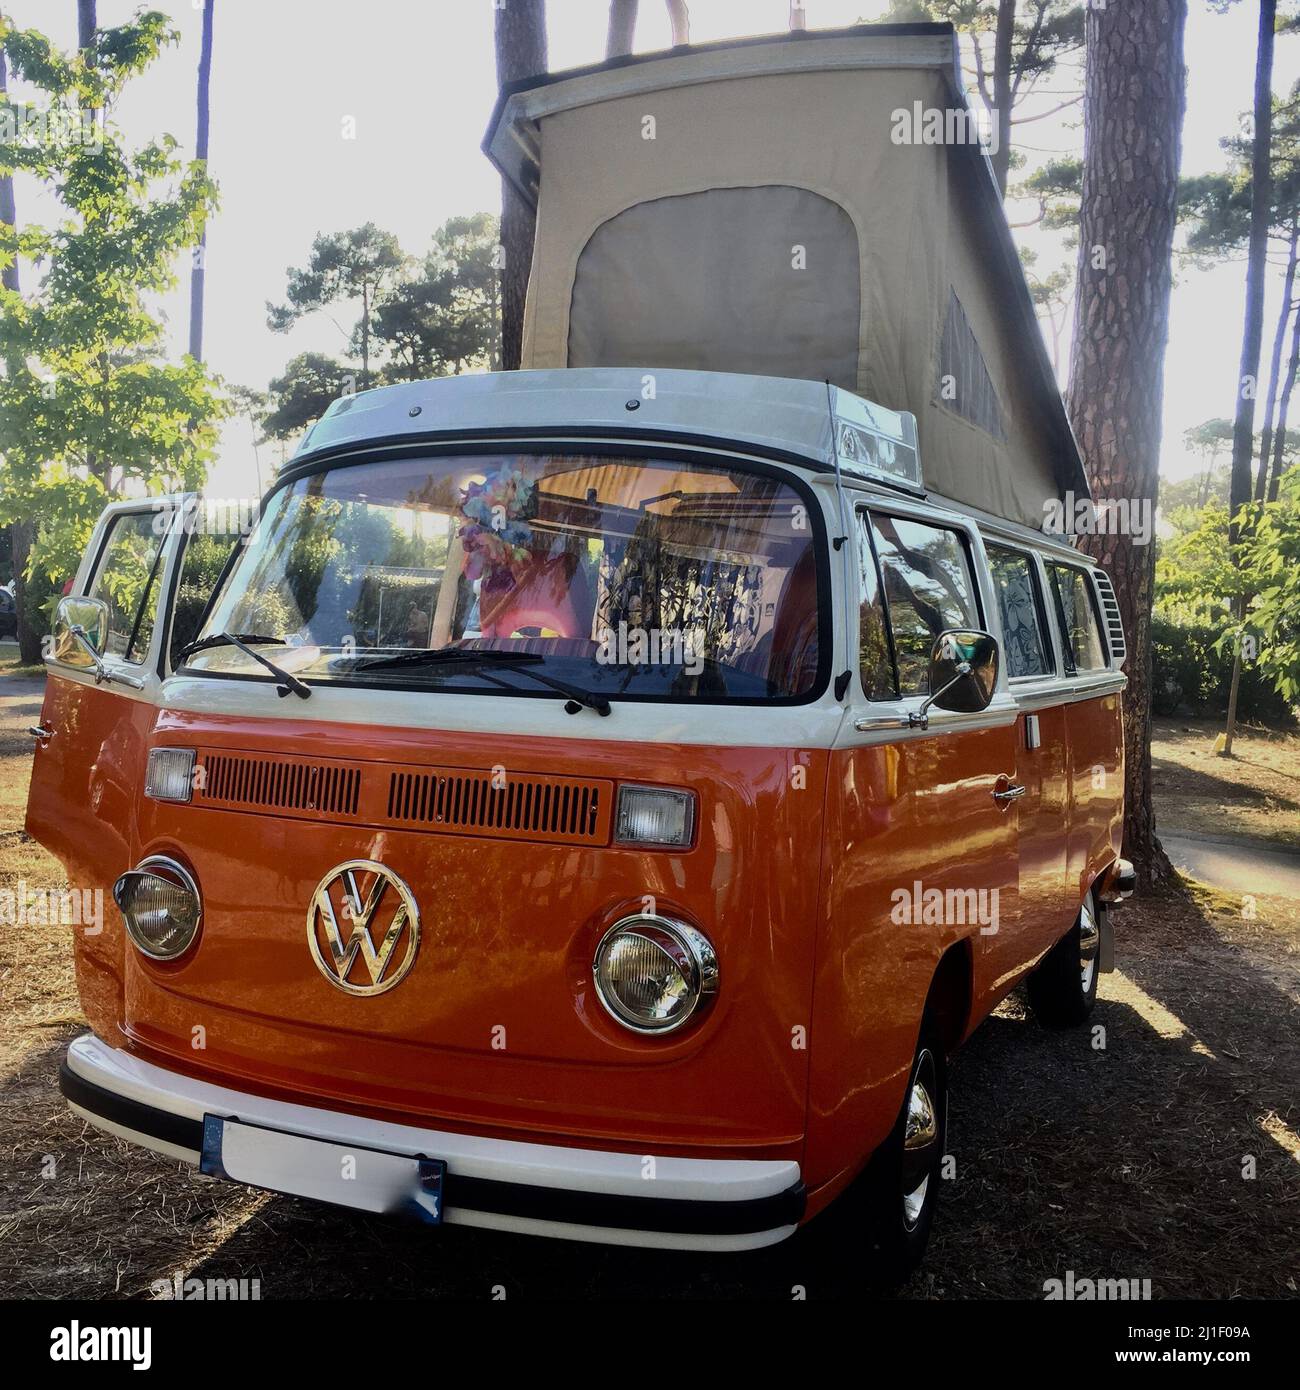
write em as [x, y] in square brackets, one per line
[874, 661]
[1078, 618]
[1020, 604]
[928, 587]
[127, 578]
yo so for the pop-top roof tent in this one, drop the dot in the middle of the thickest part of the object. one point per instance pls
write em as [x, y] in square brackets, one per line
[748, 207]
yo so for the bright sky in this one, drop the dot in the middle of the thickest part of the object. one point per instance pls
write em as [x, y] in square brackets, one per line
[418, 78]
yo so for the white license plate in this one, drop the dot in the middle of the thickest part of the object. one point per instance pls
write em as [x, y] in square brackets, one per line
[344, 1174]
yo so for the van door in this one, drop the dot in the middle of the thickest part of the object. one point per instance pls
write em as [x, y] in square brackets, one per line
[919, 853]
[1042, 751]
[90, 744]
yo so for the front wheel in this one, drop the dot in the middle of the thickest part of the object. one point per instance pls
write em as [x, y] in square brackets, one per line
[881, 1225]
[1063, 989]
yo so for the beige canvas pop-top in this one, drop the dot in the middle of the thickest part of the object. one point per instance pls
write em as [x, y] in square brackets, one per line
[808, 205]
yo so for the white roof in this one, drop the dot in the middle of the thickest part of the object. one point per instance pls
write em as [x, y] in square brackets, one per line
[770, 415]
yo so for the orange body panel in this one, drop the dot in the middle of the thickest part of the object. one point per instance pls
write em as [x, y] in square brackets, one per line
[496, 1029]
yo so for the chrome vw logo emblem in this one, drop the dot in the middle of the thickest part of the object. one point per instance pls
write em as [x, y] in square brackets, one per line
[387, 911]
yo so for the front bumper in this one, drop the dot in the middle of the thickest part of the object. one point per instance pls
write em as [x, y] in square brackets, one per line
[505, 1185]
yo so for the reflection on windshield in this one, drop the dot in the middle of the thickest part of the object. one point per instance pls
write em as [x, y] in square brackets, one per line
[627, 576]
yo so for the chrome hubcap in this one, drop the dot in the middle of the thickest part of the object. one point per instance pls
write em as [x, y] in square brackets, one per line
[1089, 945]
[920, 1136]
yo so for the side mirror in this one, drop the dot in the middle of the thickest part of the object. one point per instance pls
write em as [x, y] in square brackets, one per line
[963, 671]
[80, 631]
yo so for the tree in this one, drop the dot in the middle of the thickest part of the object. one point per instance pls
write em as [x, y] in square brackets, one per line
[20, 529]
[310, 383]
[445, 319]
[520, 37]
[679, 21]
[86, 402]
[1271, 559]
[344, 267]
[1015, 45]
[1261, 197]
[1218, 209]
[1133, 117]
[253, 406]
[622, 28]
[201, 157]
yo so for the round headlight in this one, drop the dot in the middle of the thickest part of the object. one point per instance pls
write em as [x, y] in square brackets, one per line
[653, 973]
[160, 902]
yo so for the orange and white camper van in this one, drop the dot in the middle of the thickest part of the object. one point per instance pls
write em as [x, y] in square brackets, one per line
[596, 800]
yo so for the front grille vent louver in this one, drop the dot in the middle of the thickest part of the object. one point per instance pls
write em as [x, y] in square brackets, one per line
[492, 804]
[458, 800]
[333, 789]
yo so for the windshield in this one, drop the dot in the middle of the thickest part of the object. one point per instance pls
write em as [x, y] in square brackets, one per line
[634, 577]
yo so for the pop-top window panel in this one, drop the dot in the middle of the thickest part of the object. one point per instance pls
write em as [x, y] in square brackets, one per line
[758, 280]
[963, 384]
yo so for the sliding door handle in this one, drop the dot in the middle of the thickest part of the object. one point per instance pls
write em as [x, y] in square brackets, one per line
[1012, 793]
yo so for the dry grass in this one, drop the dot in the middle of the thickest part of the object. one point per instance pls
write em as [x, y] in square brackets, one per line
[1254, 793]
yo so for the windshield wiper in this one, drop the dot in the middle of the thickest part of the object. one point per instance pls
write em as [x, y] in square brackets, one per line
[222, 639]
[521, 662]
[285, 682]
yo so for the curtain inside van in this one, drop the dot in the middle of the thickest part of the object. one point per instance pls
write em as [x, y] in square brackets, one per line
[763, 280]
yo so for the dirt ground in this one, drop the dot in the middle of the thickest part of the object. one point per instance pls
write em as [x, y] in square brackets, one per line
[1160, 1142]
[1254, 793]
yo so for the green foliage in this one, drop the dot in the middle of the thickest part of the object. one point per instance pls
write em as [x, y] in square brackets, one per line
[205, 558]
[87, 405]
[1196, 582]
[1191, 672]
[1272, 555]
[446, 319]
[442, 317]
[1216, 207]
[1057, 187]
[344, 267]
[311, 381]
[1046, 31]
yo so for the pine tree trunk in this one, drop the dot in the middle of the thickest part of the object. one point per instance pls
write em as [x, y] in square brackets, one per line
[1275, 367]
[1261, 199]
[87, 23]
[679, 21]
[201, 154]
[1279, 434]
[521, 52]
[1133, 116]
[20, 532]
[1003, 35]
[622, 28]
[1252, 336]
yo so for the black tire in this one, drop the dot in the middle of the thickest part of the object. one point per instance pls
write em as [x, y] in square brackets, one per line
[1062, 990]
[881, 1225]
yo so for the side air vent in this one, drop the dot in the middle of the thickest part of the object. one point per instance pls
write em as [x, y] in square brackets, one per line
[1110, 616]
[287, 786]
[460, 801]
